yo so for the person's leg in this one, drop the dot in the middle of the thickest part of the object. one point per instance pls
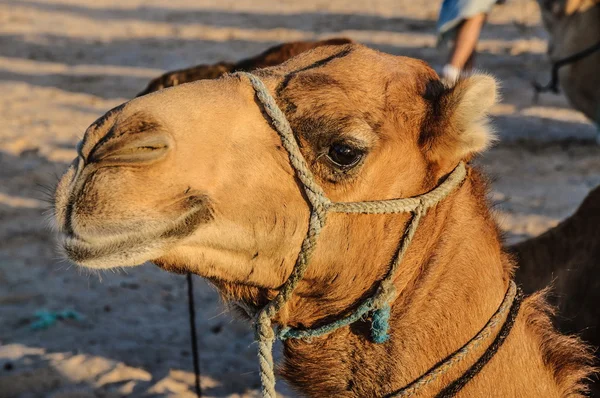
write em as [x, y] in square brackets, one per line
[470, 64]
[462, 55]
[463, 52]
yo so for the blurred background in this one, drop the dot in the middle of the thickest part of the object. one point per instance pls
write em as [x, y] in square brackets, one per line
[64, 63]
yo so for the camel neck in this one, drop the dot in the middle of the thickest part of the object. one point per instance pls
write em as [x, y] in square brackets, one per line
[451, 283]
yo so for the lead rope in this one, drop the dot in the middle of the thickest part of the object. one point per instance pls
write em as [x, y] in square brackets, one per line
[509, 303]
[454, 387]
[320, 205]
[193, 337]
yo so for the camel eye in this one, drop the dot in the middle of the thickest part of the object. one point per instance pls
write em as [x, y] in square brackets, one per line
[343, 155]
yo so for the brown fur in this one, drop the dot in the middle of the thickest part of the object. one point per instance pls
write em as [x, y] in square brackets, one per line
[574, 25]
[569, 370]
[568, 257]
[221, 148]
[270, 57]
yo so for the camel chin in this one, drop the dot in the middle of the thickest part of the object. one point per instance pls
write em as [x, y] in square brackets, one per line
[132, 249]
[110, 254]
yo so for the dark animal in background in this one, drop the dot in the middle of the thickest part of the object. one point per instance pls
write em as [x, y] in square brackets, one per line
[568, 257]
[271, 57]
[574, 26]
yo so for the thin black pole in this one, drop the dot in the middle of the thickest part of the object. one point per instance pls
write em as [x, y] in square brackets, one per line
[195, 352]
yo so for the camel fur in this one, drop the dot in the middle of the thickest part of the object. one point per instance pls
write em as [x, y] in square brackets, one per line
[568, 258]
[194, 179]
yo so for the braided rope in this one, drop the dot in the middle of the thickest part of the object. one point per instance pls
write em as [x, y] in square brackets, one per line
[320, 205]
[446, 364]
[406, 205]
[265, 338]
[384, 295]
[454, 387]
[315, 193]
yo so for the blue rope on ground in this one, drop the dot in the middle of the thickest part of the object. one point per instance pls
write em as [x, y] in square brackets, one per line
[46, 318]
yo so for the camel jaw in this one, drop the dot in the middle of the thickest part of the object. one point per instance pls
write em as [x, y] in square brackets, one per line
[134, 248]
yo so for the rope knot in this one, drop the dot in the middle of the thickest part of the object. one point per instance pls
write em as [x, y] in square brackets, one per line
[380, 321]
[263, 331]
[380, 324]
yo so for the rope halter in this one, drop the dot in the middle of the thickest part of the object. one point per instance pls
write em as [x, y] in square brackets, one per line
[379, 304]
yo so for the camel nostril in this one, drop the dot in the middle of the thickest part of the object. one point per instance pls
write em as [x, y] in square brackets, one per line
[142, 148]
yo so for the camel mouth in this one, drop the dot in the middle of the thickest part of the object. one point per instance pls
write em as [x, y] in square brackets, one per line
[135, 248]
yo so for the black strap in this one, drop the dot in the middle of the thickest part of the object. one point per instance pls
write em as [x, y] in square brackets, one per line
[195, 351]
[457, 385]
[553, 85]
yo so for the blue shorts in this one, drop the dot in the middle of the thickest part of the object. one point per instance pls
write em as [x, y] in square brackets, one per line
[453, 12]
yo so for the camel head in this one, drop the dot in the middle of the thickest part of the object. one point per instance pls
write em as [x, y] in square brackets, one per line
[194, 178]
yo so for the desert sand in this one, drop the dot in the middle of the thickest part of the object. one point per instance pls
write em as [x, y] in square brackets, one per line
[63, 63]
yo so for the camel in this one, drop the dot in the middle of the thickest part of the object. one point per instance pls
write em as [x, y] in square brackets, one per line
[574, 25]
[196, 178]
[554, 256]
[541, 260]
[270, 57]
[568, 256]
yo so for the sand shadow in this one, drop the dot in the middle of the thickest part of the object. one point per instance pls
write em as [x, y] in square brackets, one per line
[313, 22]
[136, 318]
[112, 67]
[526, 130]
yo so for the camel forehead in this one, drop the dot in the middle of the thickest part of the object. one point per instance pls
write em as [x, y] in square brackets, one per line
[350, 83]
[187, 98]
[326, 78]
[170, 108]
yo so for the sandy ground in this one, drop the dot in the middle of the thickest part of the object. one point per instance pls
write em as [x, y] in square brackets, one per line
[63, 63]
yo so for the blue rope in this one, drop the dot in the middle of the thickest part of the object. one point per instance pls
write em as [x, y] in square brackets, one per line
[45, 318]
[379, 324]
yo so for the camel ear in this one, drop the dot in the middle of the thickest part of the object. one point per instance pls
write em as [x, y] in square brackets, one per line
[458, 125]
